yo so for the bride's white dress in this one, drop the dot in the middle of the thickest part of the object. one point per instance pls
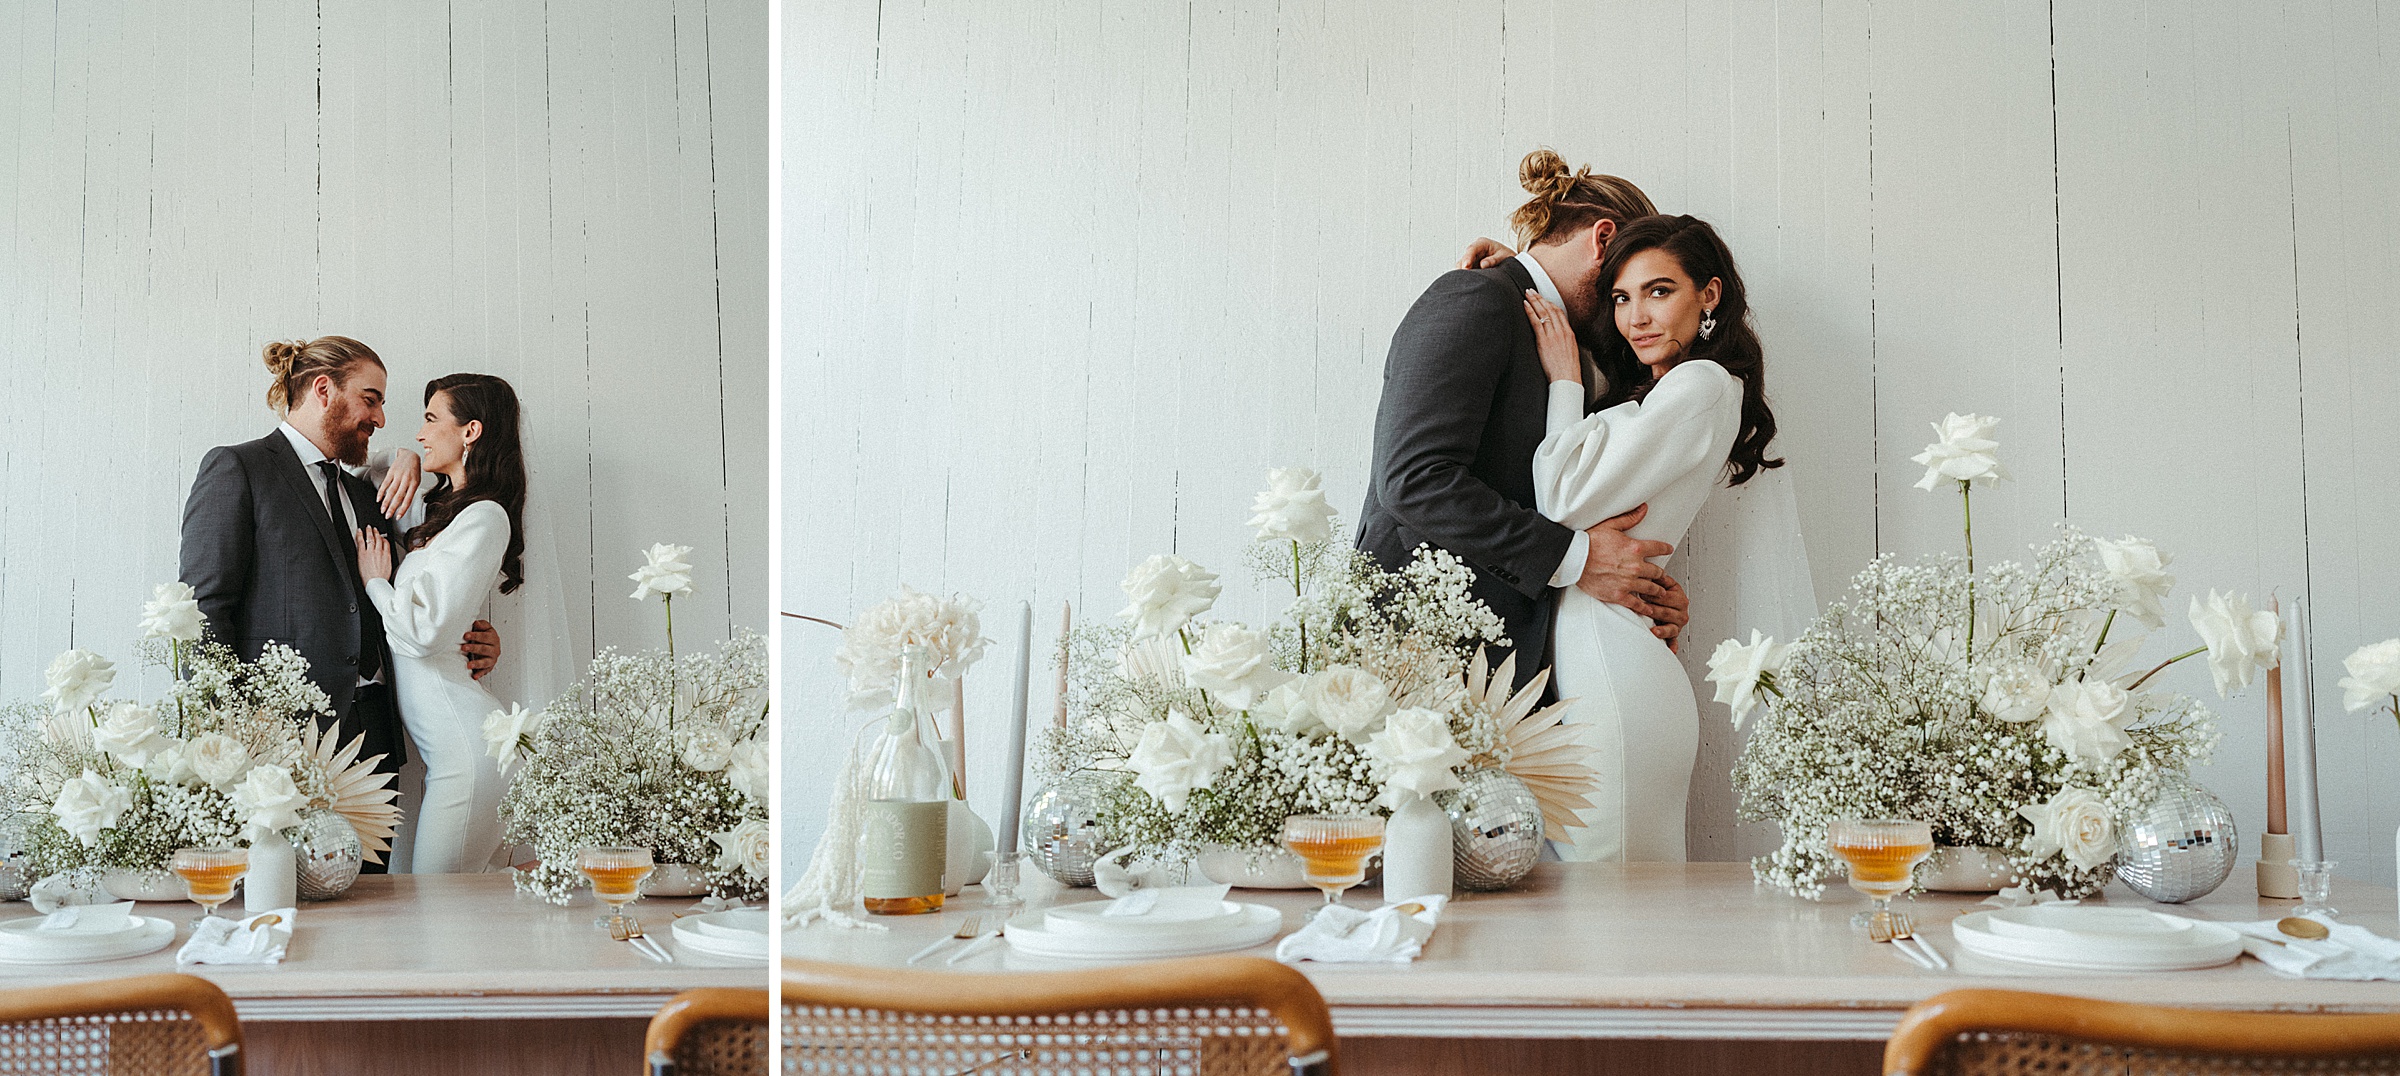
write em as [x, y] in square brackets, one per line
[428, 605]
[1667, 450]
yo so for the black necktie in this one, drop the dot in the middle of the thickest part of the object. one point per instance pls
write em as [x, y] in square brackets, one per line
[370, 650]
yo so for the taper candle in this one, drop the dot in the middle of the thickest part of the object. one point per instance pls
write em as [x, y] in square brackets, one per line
[1012, 783]
[2283, 652]
[2308, 827]
[1066, 619]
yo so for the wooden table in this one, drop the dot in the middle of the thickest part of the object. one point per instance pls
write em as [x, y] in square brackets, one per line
[439, 973]
[1589, 967]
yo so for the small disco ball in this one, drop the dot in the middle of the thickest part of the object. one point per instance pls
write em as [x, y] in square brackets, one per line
[326, 855]
[1495, 829]
[1061, 831]
[2181, 847]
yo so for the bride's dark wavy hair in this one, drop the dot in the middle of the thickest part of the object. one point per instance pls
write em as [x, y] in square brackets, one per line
[1734, 345]
[495, 466]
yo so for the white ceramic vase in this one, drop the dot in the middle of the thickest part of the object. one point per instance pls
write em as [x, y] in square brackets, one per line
[676, 880]
[1957, 868]
[1416, 851]
[1269, 868]
[273, 880]
[970, 855]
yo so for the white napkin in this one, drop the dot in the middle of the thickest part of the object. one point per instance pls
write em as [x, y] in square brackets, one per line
[64, 890]
[2017, 896]
[1177, 902]
[87, 918]
[712, 903]
[217, 940]
[1340, 933]
[2351, 953]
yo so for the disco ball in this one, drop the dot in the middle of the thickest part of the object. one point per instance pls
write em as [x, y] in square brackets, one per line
[1061, 831]
[1495, 829]
[2180, 847]
[326, 855]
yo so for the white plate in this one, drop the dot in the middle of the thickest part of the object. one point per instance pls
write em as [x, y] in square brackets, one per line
[151, 936]
[741, 925]
[2195, 944]
[1090, 920]
[715, 940]
[31, 927]
[1031, 935]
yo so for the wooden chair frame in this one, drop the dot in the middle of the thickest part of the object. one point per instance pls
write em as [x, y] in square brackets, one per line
[1246, 980]
[208, 1006]
[693, 1008]
[1932, 1025]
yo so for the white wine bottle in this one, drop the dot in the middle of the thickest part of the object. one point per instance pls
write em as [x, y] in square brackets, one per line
[904, 840]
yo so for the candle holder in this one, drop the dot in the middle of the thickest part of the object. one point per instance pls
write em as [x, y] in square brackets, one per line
[2316, 884]
[1000, 887]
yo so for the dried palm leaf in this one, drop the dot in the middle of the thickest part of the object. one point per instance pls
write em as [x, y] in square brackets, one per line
[354, 790]
[1542, 750]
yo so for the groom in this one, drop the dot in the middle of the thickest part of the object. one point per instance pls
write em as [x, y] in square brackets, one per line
[1464, 400]
[269, 540]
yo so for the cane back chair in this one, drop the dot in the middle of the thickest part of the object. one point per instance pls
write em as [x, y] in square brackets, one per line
[151, 1025]
[716, 1031]
[2009, 1032]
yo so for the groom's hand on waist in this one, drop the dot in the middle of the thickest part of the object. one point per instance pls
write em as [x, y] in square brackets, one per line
[482, 648]
[1617, 569]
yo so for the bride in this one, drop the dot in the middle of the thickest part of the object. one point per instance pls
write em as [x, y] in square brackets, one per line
[472, 536]
[1682, 405]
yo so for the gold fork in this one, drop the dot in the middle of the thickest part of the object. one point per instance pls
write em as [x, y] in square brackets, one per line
[622, 929]
[1881, 929]
[968, 929]
[633, 933]
[1904, 930]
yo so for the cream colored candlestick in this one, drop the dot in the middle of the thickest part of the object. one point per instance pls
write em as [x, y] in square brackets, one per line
[1066, 621]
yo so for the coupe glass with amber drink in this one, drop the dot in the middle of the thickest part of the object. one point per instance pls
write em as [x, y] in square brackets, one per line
[1333, 849]
[616, 875]
[210, 874]
[1883, 854]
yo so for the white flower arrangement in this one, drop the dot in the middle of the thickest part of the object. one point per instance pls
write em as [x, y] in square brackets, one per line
[2374, 680]
[950, 631]
[1993, 704]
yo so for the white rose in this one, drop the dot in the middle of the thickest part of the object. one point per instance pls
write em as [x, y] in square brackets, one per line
[130, 734]
[173, 612]
[2240, 640]
[505, 731]
[2374, 674]
[1349, 700]
[949, 633]
[2140, 572]
[1167, 592]
[1231, 662]
[2015, 693]
[268, 799]
[90, 804]
[1286, 709]
[2087, 719]
[2077, 822]
[748, 770]
[1963, 452]
[707, 749]
[1176, 758]
[1292, 508]
[747, 848]
[171, 763]
[218, 759]
[1417, 752]
[664, 572]
[77, 679]
[1738, 669]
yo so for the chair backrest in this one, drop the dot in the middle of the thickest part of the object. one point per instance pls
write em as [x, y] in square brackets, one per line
[157, 1025]
[717, 1031]
[1975, 1032]
[1210, 1016]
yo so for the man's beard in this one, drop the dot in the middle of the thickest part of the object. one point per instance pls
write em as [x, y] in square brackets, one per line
[347, 428]
[1584, 310]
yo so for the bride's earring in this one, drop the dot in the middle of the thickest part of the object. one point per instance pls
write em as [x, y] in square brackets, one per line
[1708, 322]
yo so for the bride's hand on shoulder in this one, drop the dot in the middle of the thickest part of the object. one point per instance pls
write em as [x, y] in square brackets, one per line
[1485, 253]
[374, 555]
[1562, 357]
[399, 489]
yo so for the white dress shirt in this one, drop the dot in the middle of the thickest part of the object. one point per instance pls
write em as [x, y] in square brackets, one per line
[1579, 548]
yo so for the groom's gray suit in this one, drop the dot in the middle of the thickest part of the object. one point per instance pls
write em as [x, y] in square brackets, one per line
[269, 563]
[1464, 399]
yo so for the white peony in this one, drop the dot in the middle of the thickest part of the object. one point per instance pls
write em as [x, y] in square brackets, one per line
[706, 749]
[1231, 663]
[1738, 669]
[747, 848]
[1417, 752]
[2077, 822]
[171, 763]
[2015, 693]
[1286, 709]
[173, 612]
[1167, 592]
[2140, 572]
[2087, 719]
[505, 731]
[950, 632]
[130, 734]
[1292, 508]
[268, 799]
[90, 804]
[2374, 675]
[77, 679]
[218, 759]
[748, 770]
[664, 572]
[1349, 700]
[2240, 640]
[1176, 758]
[1963, 453]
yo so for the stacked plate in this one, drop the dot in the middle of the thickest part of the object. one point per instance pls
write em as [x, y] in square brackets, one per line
[1088, 932]
[2097, 939]
[740, 934]
[22, 941]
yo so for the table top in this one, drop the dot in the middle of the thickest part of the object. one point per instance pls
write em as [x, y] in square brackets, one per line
[1684, 950]
[433, 946]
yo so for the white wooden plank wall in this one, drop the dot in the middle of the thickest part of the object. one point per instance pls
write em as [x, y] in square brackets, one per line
[568, 194]
[1065, 279]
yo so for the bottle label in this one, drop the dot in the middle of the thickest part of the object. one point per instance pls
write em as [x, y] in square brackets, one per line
[902, 846]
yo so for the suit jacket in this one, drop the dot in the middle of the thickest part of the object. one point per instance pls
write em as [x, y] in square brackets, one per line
[268, 564]
[1464, 399]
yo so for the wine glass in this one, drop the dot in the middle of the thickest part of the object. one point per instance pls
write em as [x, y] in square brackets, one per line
[1333, 850]
[617, 874]
[1883, 854]
[209, 874]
